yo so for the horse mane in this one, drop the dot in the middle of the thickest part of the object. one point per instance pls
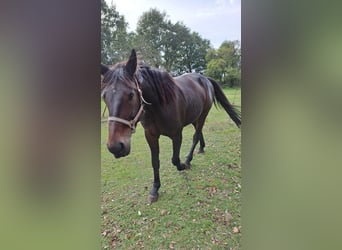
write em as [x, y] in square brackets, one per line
[161, 83]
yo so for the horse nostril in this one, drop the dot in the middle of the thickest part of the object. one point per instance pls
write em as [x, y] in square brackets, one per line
[116, 148]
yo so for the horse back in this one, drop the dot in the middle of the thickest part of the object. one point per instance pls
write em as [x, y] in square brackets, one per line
[197, 93]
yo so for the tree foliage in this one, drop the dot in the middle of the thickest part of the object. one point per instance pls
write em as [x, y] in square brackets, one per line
[114, 37]
[195, 53]
[150, 36]
[166, 45]
[176, 37]
[170, 46]
[224, 64]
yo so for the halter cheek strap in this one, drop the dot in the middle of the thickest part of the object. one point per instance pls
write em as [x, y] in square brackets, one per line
[132, 123]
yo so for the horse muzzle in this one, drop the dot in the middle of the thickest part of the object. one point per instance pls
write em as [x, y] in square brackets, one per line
[119, 149]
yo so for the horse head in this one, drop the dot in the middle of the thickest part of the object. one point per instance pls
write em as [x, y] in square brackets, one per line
[122, 95]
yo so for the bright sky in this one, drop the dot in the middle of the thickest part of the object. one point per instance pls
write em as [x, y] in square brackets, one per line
[215, 20]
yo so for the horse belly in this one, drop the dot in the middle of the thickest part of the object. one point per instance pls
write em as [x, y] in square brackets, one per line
[162, 122]
[193, 111]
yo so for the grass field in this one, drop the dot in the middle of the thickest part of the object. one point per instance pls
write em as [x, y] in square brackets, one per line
[197, 208]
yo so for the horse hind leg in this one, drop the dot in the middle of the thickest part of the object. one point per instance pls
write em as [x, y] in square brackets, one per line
[176, 144]
[197, 137]
[189, 157]
[202, 143]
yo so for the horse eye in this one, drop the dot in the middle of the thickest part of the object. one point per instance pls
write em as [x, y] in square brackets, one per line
[130, 96]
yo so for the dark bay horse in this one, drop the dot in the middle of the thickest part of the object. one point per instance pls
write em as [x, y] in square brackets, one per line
[163, 105]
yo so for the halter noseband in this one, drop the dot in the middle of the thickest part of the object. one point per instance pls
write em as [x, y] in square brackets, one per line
[132, 123]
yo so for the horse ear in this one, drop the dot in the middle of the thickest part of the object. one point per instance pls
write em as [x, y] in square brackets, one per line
[104, 69]
[131, 65]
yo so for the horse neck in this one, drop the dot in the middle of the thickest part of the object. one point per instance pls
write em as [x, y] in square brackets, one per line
[151, 95]
[156, 108]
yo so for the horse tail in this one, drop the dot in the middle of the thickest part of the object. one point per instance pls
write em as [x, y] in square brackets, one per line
[231, 110]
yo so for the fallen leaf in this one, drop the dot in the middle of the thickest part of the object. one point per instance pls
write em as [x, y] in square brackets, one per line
[227, 218]
[172, 245]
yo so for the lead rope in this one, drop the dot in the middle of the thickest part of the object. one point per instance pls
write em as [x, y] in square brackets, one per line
[104, 110]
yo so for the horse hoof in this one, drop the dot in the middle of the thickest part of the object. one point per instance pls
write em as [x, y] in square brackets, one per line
[152, 198]
[187, 165]
[201, 151]
[184, 166]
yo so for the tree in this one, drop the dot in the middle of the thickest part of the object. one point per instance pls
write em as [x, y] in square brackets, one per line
[175, 36]
[150, 33]
[224, 64]
[211, 54]
[184, 51]
[195, 53]
[170, 46]
[115, 43]
[216, 69]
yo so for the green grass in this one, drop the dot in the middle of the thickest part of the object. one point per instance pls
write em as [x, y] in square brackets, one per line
[194, 206]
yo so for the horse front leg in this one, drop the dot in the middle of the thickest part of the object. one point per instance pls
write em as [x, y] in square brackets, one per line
[176, 145]
[153, 142]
